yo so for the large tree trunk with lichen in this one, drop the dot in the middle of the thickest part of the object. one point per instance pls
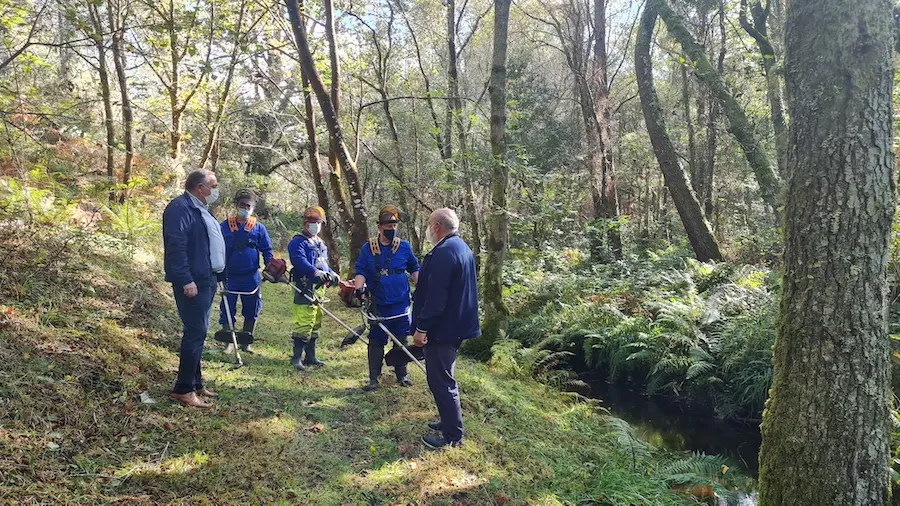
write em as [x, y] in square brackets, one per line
[358, 227]
[826, 428]
[698, 231]
[496, 314]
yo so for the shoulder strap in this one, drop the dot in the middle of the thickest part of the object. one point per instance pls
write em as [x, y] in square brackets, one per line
[232, 223]
[251, 222]
[395, 244]
[375, 245]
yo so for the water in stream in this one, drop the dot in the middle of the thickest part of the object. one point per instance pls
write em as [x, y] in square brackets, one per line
[666, 425]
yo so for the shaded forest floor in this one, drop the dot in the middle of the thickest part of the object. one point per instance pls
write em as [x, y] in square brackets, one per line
[83, 337]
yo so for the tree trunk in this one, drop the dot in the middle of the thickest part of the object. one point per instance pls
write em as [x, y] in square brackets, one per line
[455, 115]
[759, 31]
[174, 90]
[334, 253]
[336, 178]
[212, 139]
[452, 76]
[609, 194]
[117, 26]
[358, 229]
[695, 170]
[437, 135]
[496, 313]
[699, 234]
[106, 93]
[826, 428]
[739, 125]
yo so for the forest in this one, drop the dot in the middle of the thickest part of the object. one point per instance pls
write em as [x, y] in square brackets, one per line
[682, 215]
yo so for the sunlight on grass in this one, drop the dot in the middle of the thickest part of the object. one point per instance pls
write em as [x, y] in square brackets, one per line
[175, 465]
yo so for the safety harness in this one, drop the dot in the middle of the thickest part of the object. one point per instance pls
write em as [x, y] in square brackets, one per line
[233, 223]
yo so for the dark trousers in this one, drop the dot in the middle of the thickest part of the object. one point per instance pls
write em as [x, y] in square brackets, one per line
[376, 358]
[440, 364]
[194, 313]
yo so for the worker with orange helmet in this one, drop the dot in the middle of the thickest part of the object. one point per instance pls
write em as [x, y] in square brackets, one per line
[310, 274]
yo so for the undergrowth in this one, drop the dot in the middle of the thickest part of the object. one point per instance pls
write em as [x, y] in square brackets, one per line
[89, 338]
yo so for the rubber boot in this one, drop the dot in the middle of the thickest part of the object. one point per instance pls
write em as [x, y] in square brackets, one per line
[229, 348]
[376, 356]
[249, 325]
[296, 360]
[311, 359]
[403, 378]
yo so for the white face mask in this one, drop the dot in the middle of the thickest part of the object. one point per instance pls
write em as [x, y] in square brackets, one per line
[429, 236]
[315, 228]
[212, 197]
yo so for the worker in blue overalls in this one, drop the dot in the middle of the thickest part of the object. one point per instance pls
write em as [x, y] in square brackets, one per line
[245, 239]
[383, 266]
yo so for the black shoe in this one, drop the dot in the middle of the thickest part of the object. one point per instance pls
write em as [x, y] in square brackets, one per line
[405, 381]
[247, 348]
[435, 425]
[372, 386]
[439, 442]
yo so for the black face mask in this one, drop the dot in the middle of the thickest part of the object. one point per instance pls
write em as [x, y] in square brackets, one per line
[390, 234]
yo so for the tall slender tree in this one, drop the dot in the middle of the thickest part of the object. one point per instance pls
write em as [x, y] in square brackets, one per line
[698, 231]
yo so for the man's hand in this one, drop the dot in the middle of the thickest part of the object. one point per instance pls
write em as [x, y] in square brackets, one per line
[420, 339]
[190, 289]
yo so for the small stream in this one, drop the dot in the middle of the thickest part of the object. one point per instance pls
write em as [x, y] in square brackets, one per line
[665, 424]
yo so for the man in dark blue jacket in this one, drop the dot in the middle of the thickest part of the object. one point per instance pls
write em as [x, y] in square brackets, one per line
[194, 260]
[245, 239]
[445, 312]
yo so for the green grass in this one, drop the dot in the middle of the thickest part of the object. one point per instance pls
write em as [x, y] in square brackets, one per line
[75, 432]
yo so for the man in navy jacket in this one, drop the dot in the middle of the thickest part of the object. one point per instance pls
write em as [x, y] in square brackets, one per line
[194, 259]
[445, 312]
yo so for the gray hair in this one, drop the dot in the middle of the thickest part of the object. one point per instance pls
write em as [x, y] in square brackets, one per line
[197, 178]
[447, 219]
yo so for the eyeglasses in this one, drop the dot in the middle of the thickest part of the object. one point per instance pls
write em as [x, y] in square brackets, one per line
[312, 220]
[245, 205]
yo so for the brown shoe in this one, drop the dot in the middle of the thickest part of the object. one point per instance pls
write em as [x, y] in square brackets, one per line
[190, 399]
[207, 393]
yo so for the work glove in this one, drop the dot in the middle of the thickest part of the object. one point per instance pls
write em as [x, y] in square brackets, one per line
[327, 278]
[361, 293]
[221, 277]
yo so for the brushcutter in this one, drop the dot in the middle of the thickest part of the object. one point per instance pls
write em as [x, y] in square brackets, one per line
[316, 301]
[379, 320]
[351, 298]
[232, 336]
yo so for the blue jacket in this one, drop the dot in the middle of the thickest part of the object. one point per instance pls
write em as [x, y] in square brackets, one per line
[245, 261]
[186, 244]
[307, 255]
[445, 305]
[392, 290]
